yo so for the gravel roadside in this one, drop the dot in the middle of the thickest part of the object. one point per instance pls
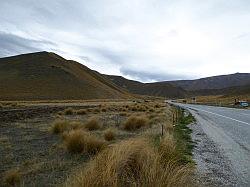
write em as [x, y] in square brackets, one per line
[213, 168]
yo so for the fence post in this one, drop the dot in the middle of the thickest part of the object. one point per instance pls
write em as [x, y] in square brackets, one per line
[162, 129]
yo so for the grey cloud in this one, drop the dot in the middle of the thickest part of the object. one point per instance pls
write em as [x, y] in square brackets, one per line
[151, 76]
[176, 38]
[111, 55]
[12, 44]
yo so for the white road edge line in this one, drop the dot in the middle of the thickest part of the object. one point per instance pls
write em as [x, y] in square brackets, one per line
[220, 115]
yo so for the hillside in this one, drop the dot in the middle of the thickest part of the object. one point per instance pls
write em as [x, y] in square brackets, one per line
[230, 91]
[233, 84]
[215, 82]
[46, 76]
[154, 89]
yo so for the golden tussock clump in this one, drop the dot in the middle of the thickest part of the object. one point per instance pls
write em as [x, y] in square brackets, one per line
[12, 177]
[104, 110]
[69, 111]
[59, 126]
[132, 162]
[134, 123]
[123, 114]
[92, 124]
[167, 149]
[79, 141]
[81, 112]
[109, 134]
[97, 110]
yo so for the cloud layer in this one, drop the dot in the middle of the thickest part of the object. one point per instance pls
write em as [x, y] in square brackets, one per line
[149, 40]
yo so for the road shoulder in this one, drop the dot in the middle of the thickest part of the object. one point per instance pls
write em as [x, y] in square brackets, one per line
[213, 168]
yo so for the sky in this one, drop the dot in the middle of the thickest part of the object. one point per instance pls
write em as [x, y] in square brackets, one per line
[145, 40]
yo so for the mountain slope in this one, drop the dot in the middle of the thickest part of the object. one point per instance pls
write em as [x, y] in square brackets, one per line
[44, 75]
[154, 89]
[230, 91]
[215, 82]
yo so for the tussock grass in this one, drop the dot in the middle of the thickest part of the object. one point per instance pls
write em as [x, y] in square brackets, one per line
[69, 111]
[97, 110]
[168, 151]
[92, 124]
[104, 110]
[169, 128]
[60, 126]
[157, 105]
[134, 123]
[78, 141]
[109, 134]
[81, 112]
[12, 177]
[123, 114]
[133, 162]
[151, 110]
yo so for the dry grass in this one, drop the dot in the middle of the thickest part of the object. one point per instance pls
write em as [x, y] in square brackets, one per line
[81, 112]
[123, 114]
[134, 123]
[12, 177]
[151, 110]
[60, 126]
[69, 111]
[97, 110]
[104, 110]
[132, 162]
[78, 141]
[168, 151]
[92, 124]
[109, 134]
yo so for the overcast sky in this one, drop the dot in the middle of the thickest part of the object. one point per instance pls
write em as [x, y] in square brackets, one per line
[147, 40]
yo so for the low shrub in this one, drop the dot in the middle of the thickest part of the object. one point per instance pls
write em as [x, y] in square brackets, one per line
[78, 141]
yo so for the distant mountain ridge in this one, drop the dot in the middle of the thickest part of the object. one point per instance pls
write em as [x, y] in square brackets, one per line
[154, 89]
[233, 84]
[215, 82]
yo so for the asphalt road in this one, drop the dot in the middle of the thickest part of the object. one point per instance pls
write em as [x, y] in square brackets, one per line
[229, 129]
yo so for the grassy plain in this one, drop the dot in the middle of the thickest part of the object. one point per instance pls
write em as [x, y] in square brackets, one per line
[63, 143]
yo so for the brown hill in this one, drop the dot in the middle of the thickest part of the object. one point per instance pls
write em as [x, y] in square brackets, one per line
[46, 76]
[230, 91]
[161, 89]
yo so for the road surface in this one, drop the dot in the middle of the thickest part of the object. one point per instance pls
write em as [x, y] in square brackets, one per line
[227, 156]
